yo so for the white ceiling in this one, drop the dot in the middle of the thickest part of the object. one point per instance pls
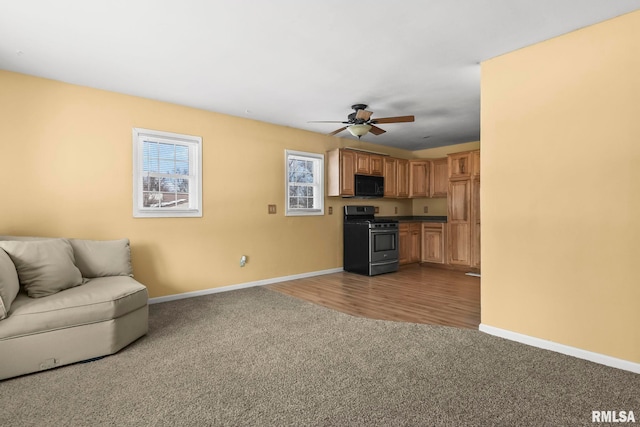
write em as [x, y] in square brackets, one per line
[291, 61]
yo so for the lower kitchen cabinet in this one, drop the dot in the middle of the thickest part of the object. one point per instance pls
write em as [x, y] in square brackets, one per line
[433, 242]
[409, 242]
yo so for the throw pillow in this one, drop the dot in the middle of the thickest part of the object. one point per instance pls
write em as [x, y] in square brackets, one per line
[9, 284]
[44, 267]
[102, 258]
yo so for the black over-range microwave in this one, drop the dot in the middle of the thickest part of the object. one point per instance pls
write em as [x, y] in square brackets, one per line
[369, 186]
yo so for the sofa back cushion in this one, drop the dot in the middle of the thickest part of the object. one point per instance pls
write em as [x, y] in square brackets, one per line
[102, 258]
[44, 267]
[9, 284]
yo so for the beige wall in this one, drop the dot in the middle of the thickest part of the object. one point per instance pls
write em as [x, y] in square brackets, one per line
[65, 164]
[561, 189]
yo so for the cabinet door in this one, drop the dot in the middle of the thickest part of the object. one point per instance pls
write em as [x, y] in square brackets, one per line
[377, 165]
[475, 163]
[475, 223]
[459, 198]
[403, 178]
[390, 177]
[459, 244]
[404, 244]
[433, 243]
[347, 172]
[460, 165]
[363, 164]
[439, 174]
[416, 242]
[459, 225]
[418, 178]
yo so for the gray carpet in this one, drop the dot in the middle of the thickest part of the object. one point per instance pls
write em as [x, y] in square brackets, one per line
[255, 357]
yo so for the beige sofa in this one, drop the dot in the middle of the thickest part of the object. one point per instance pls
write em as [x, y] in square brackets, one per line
[66, 300]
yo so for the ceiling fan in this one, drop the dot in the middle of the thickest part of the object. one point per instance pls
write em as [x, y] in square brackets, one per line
[360, 122]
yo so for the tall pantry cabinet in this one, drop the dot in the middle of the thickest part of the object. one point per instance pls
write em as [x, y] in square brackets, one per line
[463, 220]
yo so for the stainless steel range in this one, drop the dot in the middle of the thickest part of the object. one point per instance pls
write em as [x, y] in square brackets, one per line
[370, 244]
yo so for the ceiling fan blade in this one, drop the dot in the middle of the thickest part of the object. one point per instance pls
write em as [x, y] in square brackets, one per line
[337, 131]
[376, 130]
[363, 114]
[399, 119]
[326, 121]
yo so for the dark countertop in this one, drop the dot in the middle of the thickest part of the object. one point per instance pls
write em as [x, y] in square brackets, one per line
[418, 218]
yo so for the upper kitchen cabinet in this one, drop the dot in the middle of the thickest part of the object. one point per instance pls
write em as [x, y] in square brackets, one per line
[419, 178]
[363, 163]
[369, 164]
[460, 165]
[396, 177]
[402, 180]
[377, 164]
[475, 163]
[341, 167]
[390, 177]
[439, 177]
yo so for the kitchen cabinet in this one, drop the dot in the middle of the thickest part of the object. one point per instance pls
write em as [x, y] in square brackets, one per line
[419, 178]
[439, 177]
[402, 180]
[343, 164]
[409, 242]
[433, 242]
[463, 227]
[475, 163]
[404, 243]
[340, 172]
[460, 165]
[363, 163]
[377, 164]
[475, 222]
[390, 177]
[459, 223]
[369, 164]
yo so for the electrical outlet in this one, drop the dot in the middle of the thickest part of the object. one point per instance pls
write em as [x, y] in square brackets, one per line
[395, 209]
[272, 209]
[376, 209]
[330, 210]
[426, 209]
[243, 260]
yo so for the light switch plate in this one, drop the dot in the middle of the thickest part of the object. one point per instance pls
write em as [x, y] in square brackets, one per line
[272, 209]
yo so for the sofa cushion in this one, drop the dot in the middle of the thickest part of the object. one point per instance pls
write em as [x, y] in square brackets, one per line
[98, 300]
[9, 284]
[44, 267]
[102, 258]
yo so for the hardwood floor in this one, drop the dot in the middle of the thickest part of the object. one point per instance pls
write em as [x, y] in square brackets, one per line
[415, 294]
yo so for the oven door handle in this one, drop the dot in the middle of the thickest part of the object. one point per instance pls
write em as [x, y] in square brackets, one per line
[376, 230]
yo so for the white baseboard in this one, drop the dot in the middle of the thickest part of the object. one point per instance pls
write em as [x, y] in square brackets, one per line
[561, 348]
[241, 286]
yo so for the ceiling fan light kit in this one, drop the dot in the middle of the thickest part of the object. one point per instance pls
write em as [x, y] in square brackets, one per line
[359, 130]
[360, 123]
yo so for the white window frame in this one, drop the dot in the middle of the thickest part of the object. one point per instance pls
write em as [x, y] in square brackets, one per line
[318, 184]
[194, 144]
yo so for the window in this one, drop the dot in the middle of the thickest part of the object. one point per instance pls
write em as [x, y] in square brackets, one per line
[167, 174]
[305, 183]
